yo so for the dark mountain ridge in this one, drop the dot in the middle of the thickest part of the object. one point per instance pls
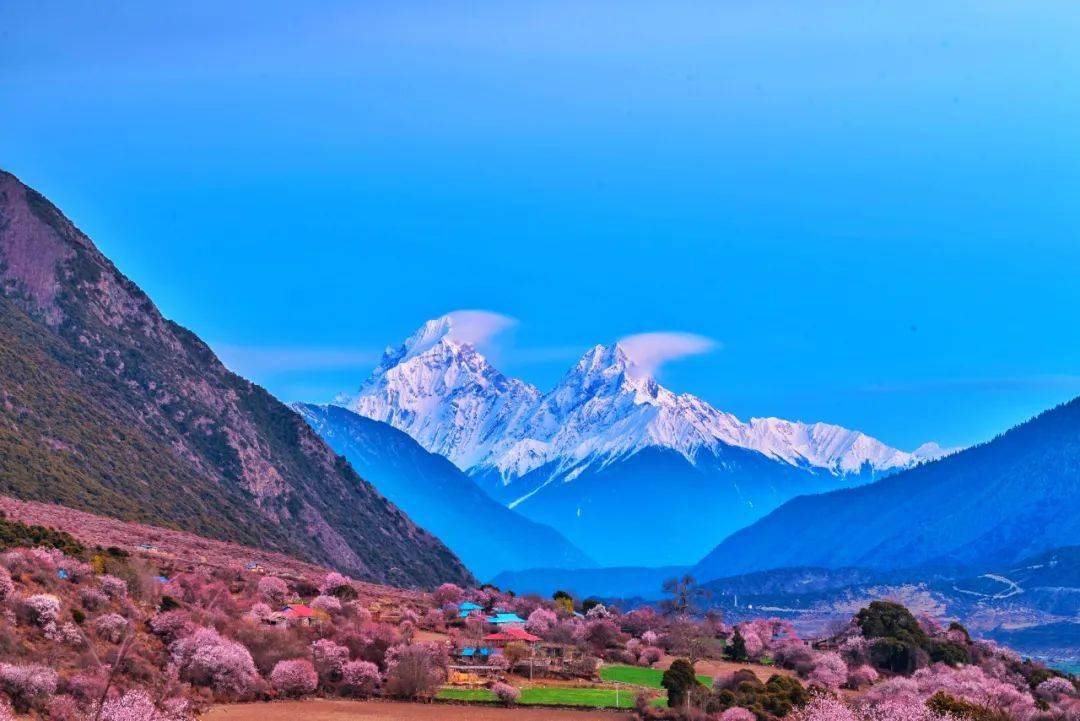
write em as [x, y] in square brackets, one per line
[488, 536]
[988, 506]
[108, 407]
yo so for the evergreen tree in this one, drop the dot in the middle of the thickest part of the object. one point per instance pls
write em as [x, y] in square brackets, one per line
[736, 650]
[678, 680]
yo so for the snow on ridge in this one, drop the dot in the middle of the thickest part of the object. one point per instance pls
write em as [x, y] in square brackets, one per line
[445, 394]
[442, 392]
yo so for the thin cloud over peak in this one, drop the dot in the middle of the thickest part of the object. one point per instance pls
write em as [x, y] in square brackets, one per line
[477, 327]
[650, 351]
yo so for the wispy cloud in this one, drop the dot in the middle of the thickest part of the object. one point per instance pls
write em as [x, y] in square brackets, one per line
[478, 326]
[650, 351]
[254, 361]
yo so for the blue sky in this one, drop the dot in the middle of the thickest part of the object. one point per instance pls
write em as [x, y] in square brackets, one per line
[871, 207]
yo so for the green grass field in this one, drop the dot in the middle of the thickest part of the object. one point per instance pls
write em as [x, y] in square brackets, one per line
[554, 696]
[588, 697]
[638, 676]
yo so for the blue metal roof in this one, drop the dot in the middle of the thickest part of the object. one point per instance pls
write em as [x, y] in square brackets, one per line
[501, 618]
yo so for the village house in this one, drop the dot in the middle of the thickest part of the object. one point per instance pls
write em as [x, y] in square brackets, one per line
[468, 608]
[299, 614]
[506, 620]
[502, 637]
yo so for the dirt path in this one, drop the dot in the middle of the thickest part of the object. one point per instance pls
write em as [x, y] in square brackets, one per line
[340, 710]
[713, 668]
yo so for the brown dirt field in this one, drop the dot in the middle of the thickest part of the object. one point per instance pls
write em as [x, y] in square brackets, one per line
[423, 636]
[341, 710]
[713, 668]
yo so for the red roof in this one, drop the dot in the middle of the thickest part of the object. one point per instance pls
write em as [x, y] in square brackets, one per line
[512, 634]
[299, 611]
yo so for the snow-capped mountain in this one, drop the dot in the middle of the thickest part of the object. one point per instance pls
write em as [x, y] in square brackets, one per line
[442, 392]
[553, 456]
[447, 396]
[607, 408]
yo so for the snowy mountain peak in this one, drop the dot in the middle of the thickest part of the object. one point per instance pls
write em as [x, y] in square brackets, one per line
[932, 451]
[427, 335]
[606, 370]
[440, 390]
[825, 445]
[438, 332]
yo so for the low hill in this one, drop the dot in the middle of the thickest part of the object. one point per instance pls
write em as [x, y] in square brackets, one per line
[985, 507]
[106, 406]
[487, 536]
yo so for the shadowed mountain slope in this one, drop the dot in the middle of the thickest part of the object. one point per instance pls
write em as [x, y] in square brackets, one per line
[486, 535]
[988, 506]
[108, 407]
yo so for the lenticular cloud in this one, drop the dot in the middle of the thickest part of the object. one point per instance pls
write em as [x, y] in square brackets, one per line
[650, 351]
[477, 326]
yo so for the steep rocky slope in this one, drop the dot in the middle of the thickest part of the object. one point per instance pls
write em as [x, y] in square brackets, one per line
[106, 406]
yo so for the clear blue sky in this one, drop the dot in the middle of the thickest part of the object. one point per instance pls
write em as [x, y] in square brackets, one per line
[874, 206]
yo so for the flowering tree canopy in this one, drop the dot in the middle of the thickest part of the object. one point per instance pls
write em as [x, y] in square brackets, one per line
[295, 677]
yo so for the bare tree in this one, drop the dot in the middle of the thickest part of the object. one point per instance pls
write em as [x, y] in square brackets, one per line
[686, 596]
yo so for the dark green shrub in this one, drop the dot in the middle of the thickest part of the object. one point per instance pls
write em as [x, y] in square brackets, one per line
[949, 652]
[945, 705]
[736, 650]
[892, 654]
[885, 619]
[773, 699]
[678, 680]
[14, 534]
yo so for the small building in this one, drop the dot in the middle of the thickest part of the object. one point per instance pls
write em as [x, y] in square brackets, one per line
[506, 619]
[470, 653]
[511, 635]
[467, 608]
[303, 615]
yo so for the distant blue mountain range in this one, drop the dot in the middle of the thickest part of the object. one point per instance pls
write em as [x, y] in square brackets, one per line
[988, 506]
